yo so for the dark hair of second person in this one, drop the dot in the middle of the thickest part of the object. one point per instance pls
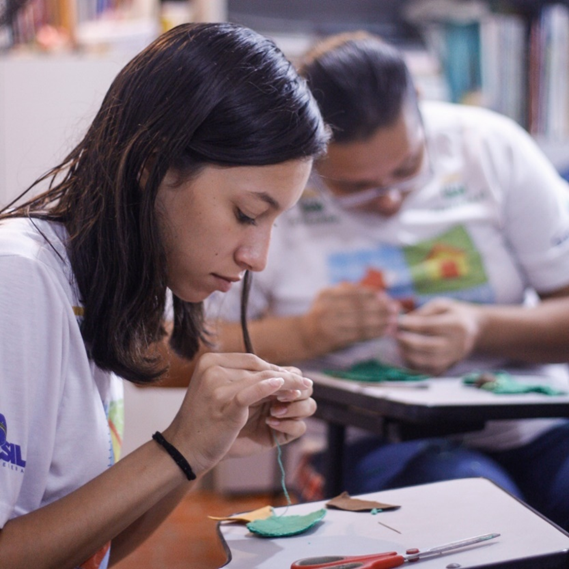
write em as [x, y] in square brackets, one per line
[361, 84]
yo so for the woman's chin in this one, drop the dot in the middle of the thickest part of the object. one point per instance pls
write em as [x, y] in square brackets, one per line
[191, 295]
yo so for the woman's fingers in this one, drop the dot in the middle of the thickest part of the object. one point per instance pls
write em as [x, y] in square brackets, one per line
[257, 391]
[228, 404]
[290, 428]
[237, 367]
[288, 418]
[246, 387]
[237, 361]
[295, 410]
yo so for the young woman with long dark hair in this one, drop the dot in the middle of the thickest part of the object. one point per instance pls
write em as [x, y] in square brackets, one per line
[202, 140]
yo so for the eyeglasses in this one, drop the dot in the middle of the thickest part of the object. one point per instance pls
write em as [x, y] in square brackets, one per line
[362, 197]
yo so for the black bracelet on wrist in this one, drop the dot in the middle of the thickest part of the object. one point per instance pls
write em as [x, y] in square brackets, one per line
[176, 455]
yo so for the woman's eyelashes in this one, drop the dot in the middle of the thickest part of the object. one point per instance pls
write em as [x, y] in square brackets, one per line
[243, 218]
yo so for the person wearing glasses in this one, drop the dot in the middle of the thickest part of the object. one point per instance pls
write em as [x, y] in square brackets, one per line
[432, 236]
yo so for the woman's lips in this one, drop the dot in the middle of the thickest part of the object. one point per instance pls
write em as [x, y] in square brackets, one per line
[224, 284]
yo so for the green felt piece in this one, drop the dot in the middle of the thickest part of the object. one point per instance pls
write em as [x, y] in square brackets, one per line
[502, 383]
[376, 371]
[282, 526]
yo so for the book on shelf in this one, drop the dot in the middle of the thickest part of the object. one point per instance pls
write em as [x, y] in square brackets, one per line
[64, 24]
[503, 64]
[510, 63]
[549, 73]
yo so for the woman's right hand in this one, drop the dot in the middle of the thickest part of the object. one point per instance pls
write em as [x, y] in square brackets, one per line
[223, 391]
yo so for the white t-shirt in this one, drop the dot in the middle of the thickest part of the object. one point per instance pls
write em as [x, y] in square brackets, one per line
[491, 225]
[61, 417]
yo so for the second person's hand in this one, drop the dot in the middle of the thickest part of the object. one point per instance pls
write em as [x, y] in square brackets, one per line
[438, 335]
[345, 314]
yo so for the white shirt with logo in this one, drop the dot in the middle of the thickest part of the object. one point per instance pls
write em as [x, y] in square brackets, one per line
[491, 226]
[60, 415]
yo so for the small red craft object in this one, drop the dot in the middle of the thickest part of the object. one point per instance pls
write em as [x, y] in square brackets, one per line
[373, 279]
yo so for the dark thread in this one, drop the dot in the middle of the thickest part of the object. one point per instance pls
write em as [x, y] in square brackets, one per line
[244, 303]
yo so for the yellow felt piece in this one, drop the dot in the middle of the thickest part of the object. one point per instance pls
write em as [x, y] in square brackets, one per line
[246, 517]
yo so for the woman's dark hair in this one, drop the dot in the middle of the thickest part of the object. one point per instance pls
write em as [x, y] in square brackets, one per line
[200, 94]
[360, 82]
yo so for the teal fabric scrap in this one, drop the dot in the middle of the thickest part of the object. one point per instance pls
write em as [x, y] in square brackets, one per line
[376, 371]
[502, 383]
[283, 526]
[376, 511]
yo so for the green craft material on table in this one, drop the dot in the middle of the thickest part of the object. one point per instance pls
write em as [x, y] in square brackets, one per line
[502, 383]
[283, 526]
[376, 371]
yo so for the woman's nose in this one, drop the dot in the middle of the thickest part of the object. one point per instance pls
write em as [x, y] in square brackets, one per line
[253, 254]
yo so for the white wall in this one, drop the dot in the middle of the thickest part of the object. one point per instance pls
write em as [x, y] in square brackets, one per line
[46, 105]
[147, 410]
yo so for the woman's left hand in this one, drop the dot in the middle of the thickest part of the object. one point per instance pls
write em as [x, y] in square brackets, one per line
[282, 414]
[438, 334]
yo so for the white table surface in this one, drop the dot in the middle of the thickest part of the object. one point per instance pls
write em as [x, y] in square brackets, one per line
[447, 391]
[430, 515]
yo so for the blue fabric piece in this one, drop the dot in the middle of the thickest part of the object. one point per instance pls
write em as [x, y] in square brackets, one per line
[393, 465]
[372, 464]
[450, 462]
[379, 467]
[541, 470]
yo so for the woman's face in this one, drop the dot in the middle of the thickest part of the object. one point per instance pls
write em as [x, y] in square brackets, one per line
[218, 224]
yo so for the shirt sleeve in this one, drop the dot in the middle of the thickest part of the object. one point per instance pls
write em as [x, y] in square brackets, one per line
[33, 346]
[535, 205]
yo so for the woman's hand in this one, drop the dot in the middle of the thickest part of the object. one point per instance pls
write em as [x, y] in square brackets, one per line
[228, 406]
[281, 415]
[345, 314]
[438, 335]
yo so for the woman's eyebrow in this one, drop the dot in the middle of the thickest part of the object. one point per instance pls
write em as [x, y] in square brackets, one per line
[268, 199]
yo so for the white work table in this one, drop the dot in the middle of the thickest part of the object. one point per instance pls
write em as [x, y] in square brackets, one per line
[430, 515]
[431, 407]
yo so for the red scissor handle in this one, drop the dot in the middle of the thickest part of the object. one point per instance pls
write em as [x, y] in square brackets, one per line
[386, 560]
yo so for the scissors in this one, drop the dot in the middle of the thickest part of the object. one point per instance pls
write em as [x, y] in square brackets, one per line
[385, 560]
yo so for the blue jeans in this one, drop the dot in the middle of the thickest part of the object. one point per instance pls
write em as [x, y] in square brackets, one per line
[537, 473]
